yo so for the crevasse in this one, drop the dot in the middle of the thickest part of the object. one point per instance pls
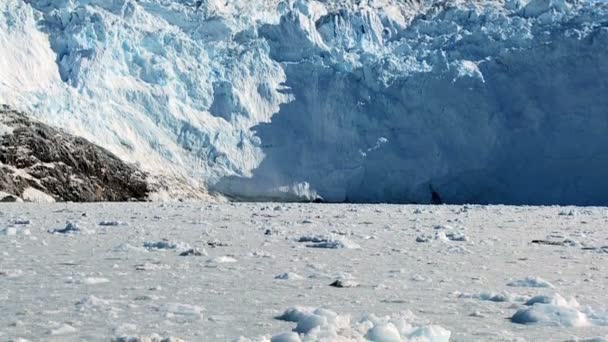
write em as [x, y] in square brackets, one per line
[366, 101]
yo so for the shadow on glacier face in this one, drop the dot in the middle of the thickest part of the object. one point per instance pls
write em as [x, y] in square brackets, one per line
[533, 133]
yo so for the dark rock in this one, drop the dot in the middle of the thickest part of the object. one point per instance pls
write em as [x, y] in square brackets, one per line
[64, 166]
[5, 198]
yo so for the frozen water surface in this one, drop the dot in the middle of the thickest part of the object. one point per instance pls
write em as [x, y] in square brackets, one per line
[254, 280]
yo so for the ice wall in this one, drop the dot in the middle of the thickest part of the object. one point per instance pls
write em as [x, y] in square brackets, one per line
[380, 101]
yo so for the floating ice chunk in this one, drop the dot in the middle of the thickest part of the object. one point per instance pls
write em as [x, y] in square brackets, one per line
[92, 302]
[335, 244]
[159, 245]
[443, 227]
[313, 238]
[494, 297]
[69, 229]
[295, 314]
[320, 241]
[193, 252]
[531, 282]
[340, 283]
[384, 332]
[424, 238]
[430, 333]
[443, 233]
[457, 236]
[592, 339]
[64, 329]
[13, 273]
[286, 337]
[22, 221]
[188, 311]
[554, 299]
[95, 280]
[550, 314]
[10, 231]
[222, 260]
[112, 223]
[261, 254]
[152, 267]
[125, 247]
[151, 338]
[165, 245]
[316, 319]
[553, 310]
[323, 324]
[289, 276]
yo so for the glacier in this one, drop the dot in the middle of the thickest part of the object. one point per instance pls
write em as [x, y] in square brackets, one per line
[405, 101]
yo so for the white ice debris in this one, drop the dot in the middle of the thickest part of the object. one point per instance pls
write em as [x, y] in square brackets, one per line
[289, 276]
[126, 247]
[331, 242]
[166, 245]
[551, 310]
[222, 260]
[531, 282]
[92, 302]
[10, 231]
[179, 310]
[324, 324]
[95, 280]
[108, 223]
[70, 228]
[64, 329]
[493, 297]
[146, 338]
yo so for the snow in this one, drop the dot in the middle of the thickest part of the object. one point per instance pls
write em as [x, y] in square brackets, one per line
[34, 195]
[366, 101]
[249, 286]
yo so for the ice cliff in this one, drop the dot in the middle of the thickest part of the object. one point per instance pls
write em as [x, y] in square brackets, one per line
[362, 100]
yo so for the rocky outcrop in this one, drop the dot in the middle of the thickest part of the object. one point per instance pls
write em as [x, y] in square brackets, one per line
[41, 163]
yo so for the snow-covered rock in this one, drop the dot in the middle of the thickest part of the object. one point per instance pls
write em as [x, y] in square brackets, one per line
[42, 164]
